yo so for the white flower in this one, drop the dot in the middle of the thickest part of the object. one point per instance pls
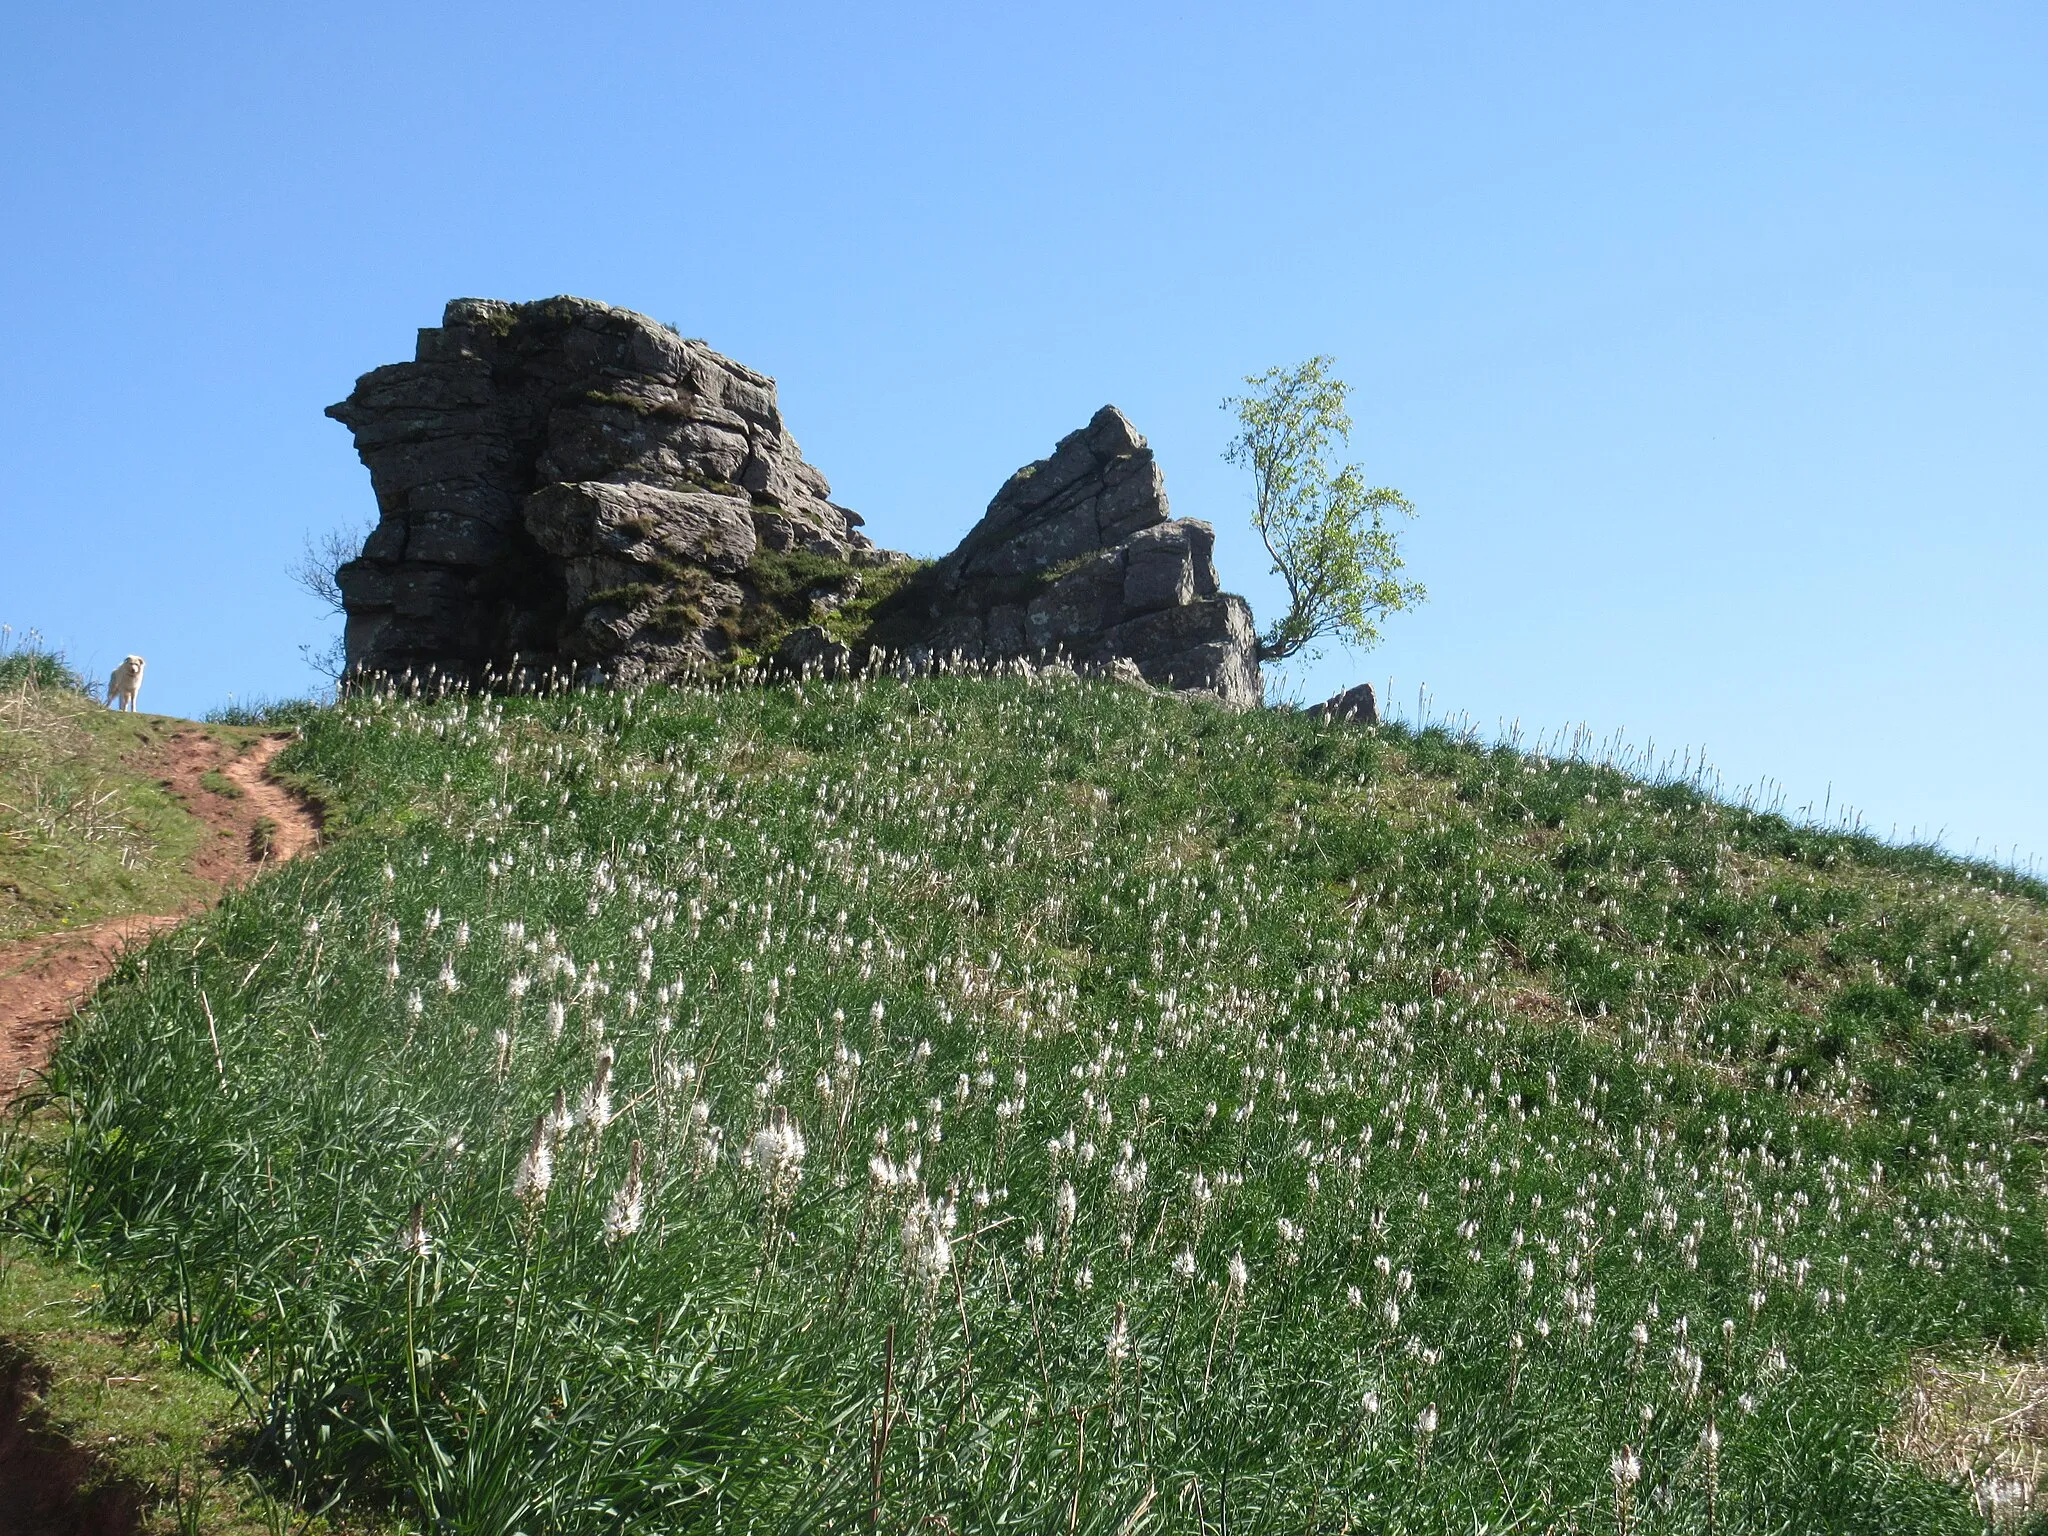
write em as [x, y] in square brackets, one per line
[1119, 1348]
[1425, 1422]
[776, 1155]
[537, 1169]
[1184, 1265]
[1239, 1276]
[927, 1243]
[1128, 1176]
[1291, 1238]
[414, 1241]
[558, 1121]
[623, 1219]
[595, 1111]
[1064, 1205]
[1626, 1469]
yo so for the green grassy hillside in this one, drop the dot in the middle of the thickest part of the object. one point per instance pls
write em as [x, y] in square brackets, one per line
[976, 1105]
[87, 828]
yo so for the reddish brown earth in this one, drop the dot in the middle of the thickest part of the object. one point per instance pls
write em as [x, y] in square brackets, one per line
[44, 980]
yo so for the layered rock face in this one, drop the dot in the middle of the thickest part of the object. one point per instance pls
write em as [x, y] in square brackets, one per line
[1078, 557]
[565, 486]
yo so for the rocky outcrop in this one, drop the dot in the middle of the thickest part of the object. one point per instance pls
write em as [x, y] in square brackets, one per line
[1359, 705]
[565, 486]
[1078, 557]
[569, 489]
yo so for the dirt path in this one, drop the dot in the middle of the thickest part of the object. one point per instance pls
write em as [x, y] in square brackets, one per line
[44, 980]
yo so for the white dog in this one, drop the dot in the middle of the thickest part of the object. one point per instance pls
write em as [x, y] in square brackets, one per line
[125, 683]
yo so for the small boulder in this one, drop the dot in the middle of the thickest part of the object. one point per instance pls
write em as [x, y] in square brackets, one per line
[1359, 705]
[810, 652]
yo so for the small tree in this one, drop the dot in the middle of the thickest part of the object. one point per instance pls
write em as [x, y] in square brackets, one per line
[314, 573]
[1325, 528]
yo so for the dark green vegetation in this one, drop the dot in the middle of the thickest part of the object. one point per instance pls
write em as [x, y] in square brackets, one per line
[1056, 1107]
[802, 588]
[785, 590]
[898, 616]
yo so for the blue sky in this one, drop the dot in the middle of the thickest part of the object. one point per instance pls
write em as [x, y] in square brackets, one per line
[1710, 340]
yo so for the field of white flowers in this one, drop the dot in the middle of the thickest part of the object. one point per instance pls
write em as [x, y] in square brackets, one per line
[1035, 1105]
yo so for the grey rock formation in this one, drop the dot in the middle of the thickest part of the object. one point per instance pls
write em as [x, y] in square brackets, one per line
[1359, 705]
[565, 485]
[569, 488]
[1078, 557]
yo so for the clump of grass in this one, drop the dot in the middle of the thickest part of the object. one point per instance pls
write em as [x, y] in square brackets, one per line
[264, 711]
[263, 839]
[214, 782]
[1040, 1105]
[28, 664]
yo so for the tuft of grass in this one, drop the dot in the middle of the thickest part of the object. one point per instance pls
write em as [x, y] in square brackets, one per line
[28, 664]
[214, 782]
[265, 712]
[263, 839]
[1043, 1105]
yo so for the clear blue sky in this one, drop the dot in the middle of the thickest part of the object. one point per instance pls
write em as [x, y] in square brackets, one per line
[1710, 340]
